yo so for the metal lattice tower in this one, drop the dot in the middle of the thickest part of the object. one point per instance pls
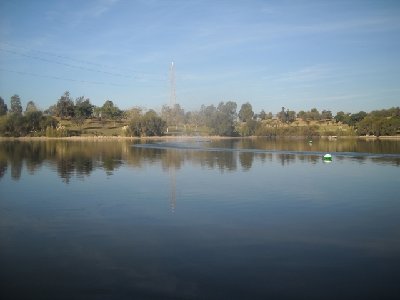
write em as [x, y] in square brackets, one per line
[172, 97]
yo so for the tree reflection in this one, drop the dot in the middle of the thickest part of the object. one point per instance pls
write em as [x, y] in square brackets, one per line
[3, 167]
[65, 169]
[79, 159]
[246, 160]
[286, 159]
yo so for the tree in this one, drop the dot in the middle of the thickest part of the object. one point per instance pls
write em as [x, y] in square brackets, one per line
[150, 124]
[248, 128]
[15, 106]
[262, 115]
[135, 125]
[3, 107]
[342, 117]
[14, 125]
[375, 125]
[153, 125]
[65, 106]
[133, 113]
[207, 115]
[178, 114]
[246, 112]
[282, 115]
[290, 116]
[110, 111]
[30, 107]
[173, 115]
[33, 120]
[355, 118]
[83, 108]
[51, 111]
[166, 114]
[220, 120]
[314, 114]
[287, 116]
[302, 115]
[224, 119]
[326, 115]
[97, 112]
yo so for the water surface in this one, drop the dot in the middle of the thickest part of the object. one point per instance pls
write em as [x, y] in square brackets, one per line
[199, 219]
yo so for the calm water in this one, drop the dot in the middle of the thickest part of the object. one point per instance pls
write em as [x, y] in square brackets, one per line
[234, 219]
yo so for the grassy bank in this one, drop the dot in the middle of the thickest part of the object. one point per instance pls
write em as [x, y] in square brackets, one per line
[95, 129]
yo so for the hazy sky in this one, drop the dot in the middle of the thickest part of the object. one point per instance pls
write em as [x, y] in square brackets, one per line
[337, 55]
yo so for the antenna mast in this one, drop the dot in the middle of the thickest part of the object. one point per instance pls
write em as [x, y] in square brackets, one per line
[172, 99]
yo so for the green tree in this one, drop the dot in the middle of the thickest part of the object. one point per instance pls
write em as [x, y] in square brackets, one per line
[33, 120]
[30, 107]
[14, 125]
[246, 112]
[224, 119]
[342, 117]
[3, 107]
[291, 116]
[355, 118]
[174, 116]
[262, 115]
[166, 114]
[314, 114]
[110, 111]
[152, 125]
[178, 114]
[149, 124]
[15, 105]
[207, 115]
[135, 124]
[248, 128]
[83, 108]
[302, 115]
[133, 113]
[51, 111]
[65, 106]
[378, 125]
[97, 112]
[326, 115]
[282, 115]
[287, 116]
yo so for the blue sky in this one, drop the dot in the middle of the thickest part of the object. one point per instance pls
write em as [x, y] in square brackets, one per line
[336, 55]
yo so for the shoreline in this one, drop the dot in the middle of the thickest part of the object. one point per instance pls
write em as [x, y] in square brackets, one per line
[122, 138]
[112, 138]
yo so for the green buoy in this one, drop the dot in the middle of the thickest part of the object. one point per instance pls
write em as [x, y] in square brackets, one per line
[327, 157]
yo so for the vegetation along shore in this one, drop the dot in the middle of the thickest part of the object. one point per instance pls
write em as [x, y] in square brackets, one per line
[79, 119]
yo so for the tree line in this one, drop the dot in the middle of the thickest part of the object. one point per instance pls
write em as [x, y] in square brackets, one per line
[223, 119]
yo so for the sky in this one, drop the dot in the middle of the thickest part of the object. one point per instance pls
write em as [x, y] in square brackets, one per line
[334, 55]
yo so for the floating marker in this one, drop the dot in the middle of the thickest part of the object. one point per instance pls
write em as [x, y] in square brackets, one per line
[327, 157]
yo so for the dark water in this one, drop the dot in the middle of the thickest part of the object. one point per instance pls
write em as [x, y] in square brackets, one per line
[234, 219]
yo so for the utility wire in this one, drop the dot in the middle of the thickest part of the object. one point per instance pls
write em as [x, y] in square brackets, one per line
[61, 78]
[60, 56]
[81, 61]
[64, 64]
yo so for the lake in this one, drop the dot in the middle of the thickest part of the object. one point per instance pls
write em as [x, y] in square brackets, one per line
[200, 219]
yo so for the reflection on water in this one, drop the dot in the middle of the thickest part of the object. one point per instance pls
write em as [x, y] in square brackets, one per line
[228, 219]
[81, 158]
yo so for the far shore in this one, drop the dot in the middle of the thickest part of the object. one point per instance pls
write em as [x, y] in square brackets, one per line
[123, 138]
[113, 138]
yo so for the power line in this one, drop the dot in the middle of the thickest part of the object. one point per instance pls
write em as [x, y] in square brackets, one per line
[76, 60]
[61, 78]
[64, 64]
